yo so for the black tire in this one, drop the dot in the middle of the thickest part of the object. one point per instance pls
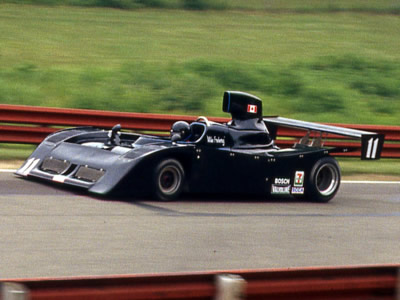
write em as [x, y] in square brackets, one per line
[168, 180]
[324, 180]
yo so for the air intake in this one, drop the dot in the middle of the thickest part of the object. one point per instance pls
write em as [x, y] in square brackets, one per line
[55, 166]
[89, 174]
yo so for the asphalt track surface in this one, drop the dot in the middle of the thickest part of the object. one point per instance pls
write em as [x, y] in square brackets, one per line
[47, 231]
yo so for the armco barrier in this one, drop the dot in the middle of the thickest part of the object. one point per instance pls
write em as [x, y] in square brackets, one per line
[362, 282]
[31, 124]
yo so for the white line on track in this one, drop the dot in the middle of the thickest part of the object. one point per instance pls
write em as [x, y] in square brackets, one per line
[7, 171]
[370, 182]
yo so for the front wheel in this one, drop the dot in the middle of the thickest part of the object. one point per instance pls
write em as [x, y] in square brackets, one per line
[169, 177]
[324, 180]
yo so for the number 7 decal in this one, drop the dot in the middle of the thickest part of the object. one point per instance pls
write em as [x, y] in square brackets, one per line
[299, 178]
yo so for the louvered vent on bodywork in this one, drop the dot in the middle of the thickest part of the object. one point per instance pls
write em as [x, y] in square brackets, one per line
[53, 165]
[89, 174]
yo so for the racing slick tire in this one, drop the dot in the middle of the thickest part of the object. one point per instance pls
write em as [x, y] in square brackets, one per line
[324, 180]
[168, 180]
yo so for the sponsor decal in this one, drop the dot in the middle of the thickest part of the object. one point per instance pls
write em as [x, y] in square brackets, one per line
[280, 190]
[298, 190]
[299, 178]
[215, 140]
[372, 148]
[282, 181]
[252, 109]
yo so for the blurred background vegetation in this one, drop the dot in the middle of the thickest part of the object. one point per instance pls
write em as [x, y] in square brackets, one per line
[317, 60]
[305, 6]
[313, 59]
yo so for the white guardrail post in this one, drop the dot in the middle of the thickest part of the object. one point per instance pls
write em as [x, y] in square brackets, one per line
[230, 287]
[13, 291]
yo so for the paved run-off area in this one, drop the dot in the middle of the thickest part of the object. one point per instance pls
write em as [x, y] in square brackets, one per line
[50, 231]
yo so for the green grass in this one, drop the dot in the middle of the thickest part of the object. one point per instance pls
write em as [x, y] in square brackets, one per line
[62, 36]
[15, 151]
[343, 67]
[354, 166]
[305, 6]
[317, 6]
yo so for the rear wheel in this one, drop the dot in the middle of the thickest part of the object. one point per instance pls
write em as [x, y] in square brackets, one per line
[169, 177]
[324, 180]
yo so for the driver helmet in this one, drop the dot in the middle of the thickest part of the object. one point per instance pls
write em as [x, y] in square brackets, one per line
[182, 128]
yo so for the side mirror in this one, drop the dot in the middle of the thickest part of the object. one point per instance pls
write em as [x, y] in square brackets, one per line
[113, 136]
[116, 128]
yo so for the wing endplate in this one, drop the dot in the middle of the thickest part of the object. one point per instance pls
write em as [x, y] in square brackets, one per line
[371, 146]
[371, 142]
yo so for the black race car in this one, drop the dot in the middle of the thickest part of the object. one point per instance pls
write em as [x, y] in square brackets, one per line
[202, 157]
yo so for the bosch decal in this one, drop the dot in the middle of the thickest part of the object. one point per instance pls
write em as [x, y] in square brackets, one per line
[282, 181]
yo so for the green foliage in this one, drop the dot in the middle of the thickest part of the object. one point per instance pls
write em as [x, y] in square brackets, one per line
[289, 83]
[294, 6]
[194, 4]
[112, 3]
[132, 4]
[385, 87]
[195, 87]
[166, 61]
[320, 99]
[204, 4]
[121, 4]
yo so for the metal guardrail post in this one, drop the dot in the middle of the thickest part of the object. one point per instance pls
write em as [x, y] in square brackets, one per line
[230, 287]
[13, 291]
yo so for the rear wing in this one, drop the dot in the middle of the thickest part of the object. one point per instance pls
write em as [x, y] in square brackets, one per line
[371, 142]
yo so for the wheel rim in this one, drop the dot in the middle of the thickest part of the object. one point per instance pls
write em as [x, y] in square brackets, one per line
[327, 179]
[169, 180]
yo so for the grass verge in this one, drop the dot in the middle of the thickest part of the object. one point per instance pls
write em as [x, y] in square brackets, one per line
[382, 167]
[12, 152]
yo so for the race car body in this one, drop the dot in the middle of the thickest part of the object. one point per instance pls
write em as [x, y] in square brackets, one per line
[202, 157]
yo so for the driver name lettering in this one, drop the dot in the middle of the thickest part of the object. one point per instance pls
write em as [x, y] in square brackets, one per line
[215, 140]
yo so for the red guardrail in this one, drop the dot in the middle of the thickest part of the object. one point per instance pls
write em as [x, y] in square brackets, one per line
[31, 124]
[362, 282]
